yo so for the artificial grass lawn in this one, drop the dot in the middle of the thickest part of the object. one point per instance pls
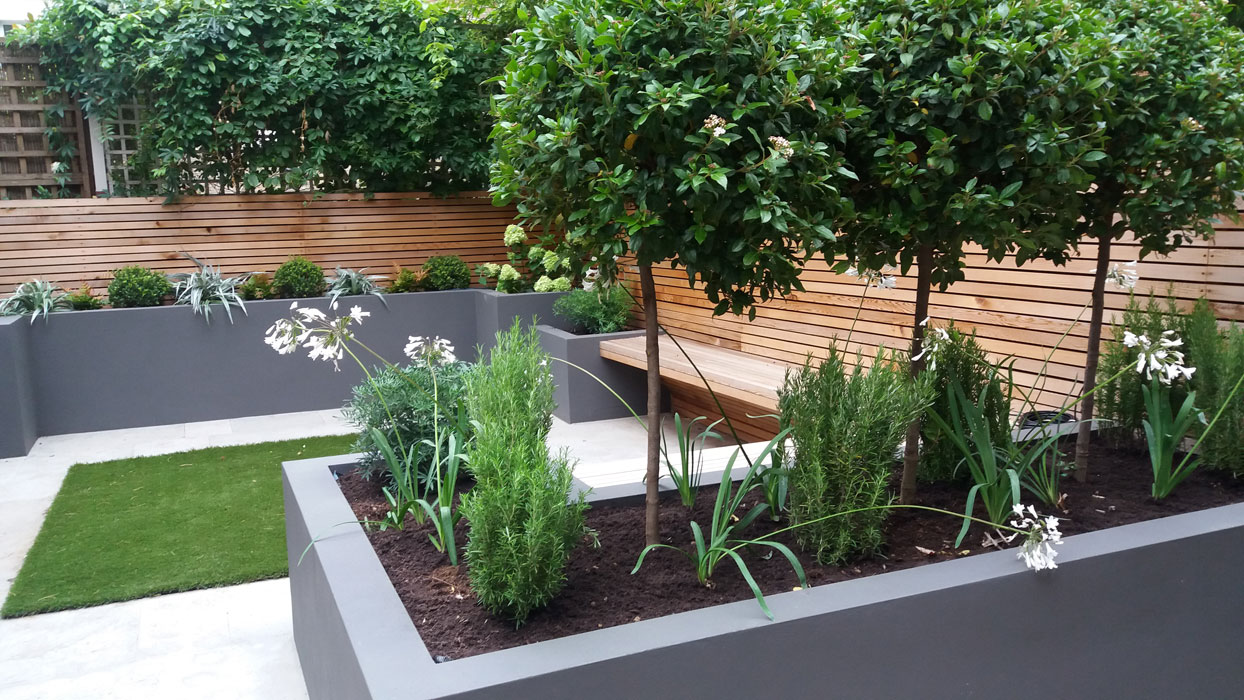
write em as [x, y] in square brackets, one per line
[137, 527]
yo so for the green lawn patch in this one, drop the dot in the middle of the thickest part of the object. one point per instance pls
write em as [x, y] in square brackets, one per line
[138, 527]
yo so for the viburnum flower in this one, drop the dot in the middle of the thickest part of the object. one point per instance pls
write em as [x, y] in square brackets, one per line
[1160, 357]
[715, 124]
[434, 352]
[781, 146]
[1040, 535]
[1123, 276]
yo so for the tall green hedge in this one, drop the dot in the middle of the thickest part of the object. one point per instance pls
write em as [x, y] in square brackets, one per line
[261, 96]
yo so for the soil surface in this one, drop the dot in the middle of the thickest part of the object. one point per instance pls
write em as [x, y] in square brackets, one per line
[601, 592]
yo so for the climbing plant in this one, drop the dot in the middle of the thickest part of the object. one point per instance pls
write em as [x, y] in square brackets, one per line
[262, 96]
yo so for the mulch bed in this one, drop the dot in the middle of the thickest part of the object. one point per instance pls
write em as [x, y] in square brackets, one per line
[601, 592]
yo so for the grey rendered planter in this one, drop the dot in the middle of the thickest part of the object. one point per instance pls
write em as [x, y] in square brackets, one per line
[1151, 610]
[123, 368]
[581, 398]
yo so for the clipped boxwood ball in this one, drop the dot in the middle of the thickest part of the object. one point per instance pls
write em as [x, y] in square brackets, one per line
[299, 278]
[137, 286]
[446, 272]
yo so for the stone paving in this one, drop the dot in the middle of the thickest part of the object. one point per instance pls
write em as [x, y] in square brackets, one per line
[233, 642]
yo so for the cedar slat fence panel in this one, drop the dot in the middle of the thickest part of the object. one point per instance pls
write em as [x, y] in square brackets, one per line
[76, 241]
[1016, 312]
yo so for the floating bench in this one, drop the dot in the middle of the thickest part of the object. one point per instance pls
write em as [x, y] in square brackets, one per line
[746, 385]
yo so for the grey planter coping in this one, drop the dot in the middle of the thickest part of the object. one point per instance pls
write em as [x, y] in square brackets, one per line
[1150, 610]
[123, 368]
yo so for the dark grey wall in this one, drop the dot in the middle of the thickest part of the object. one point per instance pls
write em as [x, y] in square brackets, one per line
[579, 397]
[18, 426]
[124, 368]
[1151, 610]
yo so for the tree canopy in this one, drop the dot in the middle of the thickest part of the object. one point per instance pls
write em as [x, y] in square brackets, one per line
[702, 134]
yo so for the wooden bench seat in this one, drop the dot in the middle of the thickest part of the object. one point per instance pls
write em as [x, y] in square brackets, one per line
[747, 385]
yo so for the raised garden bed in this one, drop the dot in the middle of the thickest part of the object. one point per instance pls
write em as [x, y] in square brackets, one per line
[946, 629]
[125, 368]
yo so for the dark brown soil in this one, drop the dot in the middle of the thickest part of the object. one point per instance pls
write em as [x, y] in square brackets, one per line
[601, 592]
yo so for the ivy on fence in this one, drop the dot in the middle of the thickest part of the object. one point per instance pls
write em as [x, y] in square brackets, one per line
[262, 96]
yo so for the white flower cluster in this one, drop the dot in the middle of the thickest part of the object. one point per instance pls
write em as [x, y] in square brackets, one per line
[1192, 124]
[514, 235]
[1160, 357]
[781, 146]
[1037, 550]
[715, 124]
[875, 278]
[934, 339]
[591, 279]
[1123, 276]
[312, 329]
[432, 352]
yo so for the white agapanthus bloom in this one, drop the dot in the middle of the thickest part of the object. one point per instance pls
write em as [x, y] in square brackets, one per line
[1037, 550]
[312, 329]
[934, 339]
[875, 278]
[430, 351]
[1123, 276]
[1160, 357]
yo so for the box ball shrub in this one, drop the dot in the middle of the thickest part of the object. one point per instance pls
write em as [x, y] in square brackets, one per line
[604, 310]
[299, 278]
[446, 272]
[138, 286]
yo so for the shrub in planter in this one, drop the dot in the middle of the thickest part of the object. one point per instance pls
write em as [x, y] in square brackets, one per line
[84, 299]
[960, 361]
[1218, 355]
[137, 286]
[602, 310]
[406, 281]
[446, 272]
[257, 287]
[845, 428]
[410, 414]
[299, 278]
[523, 525]
[34, 298]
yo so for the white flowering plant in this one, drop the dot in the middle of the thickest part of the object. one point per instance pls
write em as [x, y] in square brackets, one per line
[331, 338]
[547, 270]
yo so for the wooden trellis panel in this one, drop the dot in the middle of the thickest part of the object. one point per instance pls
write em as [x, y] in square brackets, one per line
[76, 241]
[28, 156]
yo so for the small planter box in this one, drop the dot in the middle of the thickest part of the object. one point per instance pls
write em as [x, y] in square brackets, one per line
[581, 398]
[125, 368]
[1149, 610]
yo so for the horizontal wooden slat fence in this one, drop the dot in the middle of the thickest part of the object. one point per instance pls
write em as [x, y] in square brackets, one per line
[76, 241]
[1016, 312]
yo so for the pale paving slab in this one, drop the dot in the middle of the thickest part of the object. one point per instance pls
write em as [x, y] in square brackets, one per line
[234, 642]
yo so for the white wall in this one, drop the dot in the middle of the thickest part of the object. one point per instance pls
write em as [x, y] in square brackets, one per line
[11, 10]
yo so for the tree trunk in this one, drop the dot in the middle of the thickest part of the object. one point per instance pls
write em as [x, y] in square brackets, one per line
[911, 451]
[652, 528]
[1084, 429]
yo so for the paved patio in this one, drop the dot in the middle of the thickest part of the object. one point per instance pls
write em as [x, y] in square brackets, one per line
[233, 642]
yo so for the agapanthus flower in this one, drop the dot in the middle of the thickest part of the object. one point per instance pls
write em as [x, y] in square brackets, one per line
[875, 278]
[324, 338]
[1124, 276]
[1040, 535]
[514, 235]
[934, 339]
[434, 352]
[1160, 357]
